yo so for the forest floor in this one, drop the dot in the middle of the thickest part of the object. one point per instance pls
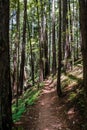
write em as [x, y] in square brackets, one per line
[51, 112]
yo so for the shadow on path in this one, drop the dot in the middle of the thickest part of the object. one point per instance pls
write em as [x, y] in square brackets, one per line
[50, 112]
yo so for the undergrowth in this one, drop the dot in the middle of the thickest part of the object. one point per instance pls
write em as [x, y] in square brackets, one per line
[27, 99]
[72, 82]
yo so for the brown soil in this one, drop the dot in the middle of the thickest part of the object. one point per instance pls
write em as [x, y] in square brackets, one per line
[51, 112]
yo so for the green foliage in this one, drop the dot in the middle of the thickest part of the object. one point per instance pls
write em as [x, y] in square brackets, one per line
[41, 84]
[81, 103]
[29, 98]
[78, 62]
[16, 116]
[72, 96]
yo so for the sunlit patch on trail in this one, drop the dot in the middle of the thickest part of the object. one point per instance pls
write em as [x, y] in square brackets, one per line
[46, 129]
[53, 113]
[71, 113]
[47, 91]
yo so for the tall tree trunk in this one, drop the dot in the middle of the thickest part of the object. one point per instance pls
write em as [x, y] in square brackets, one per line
[42, 35]
[46, 63]
[49, 37]
[67, 44]
[16, 54]
[23, 48]
[64, 25]
[59, 92]
[31, 53]
[40, 46]
[83, 22]
[18, 45]
[74, 55]
[5, 84]
[71, 34]
[77, 42]
[53, 39]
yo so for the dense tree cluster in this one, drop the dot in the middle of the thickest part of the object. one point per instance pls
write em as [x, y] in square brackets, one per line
[38, 38]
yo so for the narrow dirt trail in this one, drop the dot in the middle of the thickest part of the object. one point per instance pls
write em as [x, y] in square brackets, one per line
[50, 112]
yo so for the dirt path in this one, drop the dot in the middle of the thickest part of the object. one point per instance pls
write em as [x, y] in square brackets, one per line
[50, 112]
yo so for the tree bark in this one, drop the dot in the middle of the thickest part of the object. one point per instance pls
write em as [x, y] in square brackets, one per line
[53, 39]
[83, 25]
[41, 72]
[49, 37]
[18, 46]
[31, 52]
[46, 63]
[64, 26]
[59, 92]
[23, 48]
[5, 83]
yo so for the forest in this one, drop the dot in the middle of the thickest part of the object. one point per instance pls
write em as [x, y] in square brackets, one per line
[43, 65]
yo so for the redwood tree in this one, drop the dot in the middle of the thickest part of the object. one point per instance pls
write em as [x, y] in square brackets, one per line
[83, 23]
[53, 39]
[59, 92]
[5, 84]
[23, 48]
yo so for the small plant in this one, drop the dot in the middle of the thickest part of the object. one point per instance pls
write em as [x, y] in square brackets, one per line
[29, 98]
